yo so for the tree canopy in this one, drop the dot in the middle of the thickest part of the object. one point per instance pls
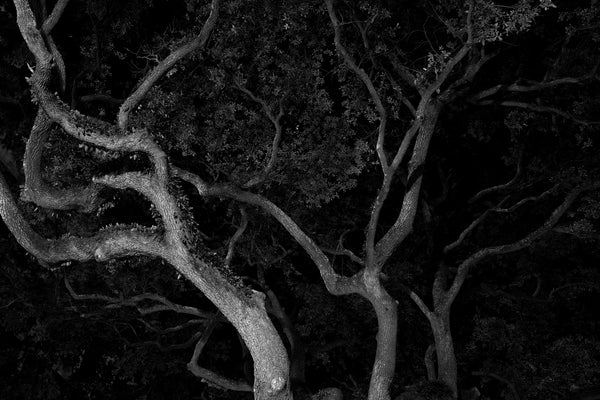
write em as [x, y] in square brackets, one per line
[308, 199]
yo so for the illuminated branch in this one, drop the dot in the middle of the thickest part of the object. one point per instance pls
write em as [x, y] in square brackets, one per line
[165, 65]
[165, 304]
[103, 246]
[236, 236]
[276, 121]
[336, 284]
[430, 362]
[206, 375]
[36, 190]
[366, 80]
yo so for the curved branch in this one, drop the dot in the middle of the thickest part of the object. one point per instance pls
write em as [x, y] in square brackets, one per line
[364, 77]
[276, 121]
[335, 283]
[157, 72]
[55, 15]
[43, 195]
[430, 363]
[206, 375]
[502, 186]
[103, 246]
[540, 108]
[465, 266]
[476, 222]
[508, 383]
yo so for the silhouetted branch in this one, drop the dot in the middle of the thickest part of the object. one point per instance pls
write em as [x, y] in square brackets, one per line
[477, 221]
[540, 108]
[464, 267]
[503, 186]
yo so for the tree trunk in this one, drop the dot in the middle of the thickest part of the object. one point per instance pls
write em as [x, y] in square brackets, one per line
[386, 309]
[249, 317]
[444, 349]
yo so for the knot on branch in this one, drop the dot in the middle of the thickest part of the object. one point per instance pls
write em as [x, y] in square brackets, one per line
[277, 384]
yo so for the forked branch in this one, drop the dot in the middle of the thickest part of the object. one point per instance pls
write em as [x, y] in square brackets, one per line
[476, 257]
[276, 121]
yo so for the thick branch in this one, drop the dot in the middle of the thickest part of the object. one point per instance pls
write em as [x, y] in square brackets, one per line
[404, 222]
[38, 192]
[55, 15]
[155, 74]
[103, 246]
[540, 108]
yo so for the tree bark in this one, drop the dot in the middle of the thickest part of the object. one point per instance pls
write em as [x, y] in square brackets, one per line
[386, 309]
[444, 350]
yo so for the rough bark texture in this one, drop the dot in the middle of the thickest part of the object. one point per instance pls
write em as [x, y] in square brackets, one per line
[444, 349]
[246, 312]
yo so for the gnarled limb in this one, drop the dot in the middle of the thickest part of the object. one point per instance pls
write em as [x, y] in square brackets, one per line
[103, 246]
[36, 190]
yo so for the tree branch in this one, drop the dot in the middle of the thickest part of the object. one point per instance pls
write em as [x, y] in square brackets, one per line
[540, 108]
[336, 284]
[430, 363]
[502, 186]
[236, 236]
[35, 190]
[476, 222]
[55, 15]
[465, 266]
[206, 375]
[276, 121]
[104, 245]
[364, 77]
[528, 88]
[157, 72]
[165, 304]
